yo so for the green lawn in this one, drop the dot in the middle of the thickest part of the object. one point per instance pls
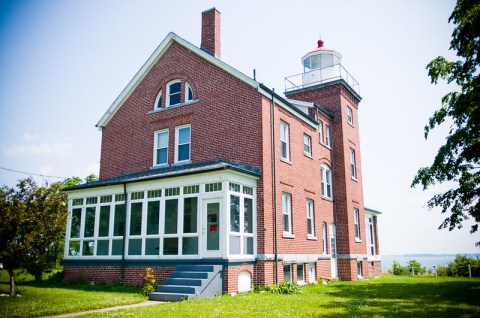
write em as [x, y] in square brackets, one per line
[45, 299]
[384, 297]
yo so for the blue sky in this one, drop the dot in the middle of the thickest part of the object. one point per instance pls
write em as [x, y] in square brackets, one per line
[64, 62]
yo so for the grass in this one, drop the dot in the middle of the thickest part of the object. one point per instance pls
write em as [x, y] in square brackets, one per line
[385, 297]
[44, 299]
[391, 296]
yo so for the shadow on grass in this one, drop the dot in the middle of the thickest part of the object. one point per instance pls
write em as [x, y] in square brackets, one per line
[403, 299]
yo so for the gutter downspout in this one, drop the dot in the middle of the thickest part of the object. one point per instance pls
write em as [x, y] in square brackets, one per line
[274, 177]
[122, 270]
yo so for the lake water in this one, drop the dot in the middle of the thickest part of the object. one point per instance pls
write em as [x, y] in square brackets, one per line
[426, 260]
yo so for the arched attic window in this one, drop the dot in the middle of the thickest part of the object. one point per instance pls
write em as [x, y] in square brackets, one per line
[188, 92]
[158, 100]
[173, 95]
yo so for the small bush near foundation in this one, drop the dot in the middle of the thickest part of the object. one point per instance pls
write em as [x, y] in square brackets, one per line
[282, 288]
[150, 284]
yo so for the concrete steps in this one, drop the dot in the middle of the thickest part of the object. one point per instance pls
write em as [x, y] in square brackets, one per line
[189, 282]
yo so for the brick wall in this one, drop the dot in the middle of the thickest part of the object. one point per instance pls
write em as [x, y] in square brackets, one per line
[224, 125]
[231, 277]
[133, 275]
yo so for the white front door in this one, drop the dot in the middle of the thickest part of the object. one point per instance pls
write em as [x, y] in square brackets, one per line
[211, 229]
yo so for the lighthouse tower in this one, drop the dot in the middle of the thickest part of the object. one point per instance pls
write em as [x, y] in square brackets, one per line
[327, 83]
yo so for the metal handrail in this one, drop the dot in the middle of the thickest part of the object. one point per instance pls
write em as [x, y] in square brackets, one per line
[296, 81]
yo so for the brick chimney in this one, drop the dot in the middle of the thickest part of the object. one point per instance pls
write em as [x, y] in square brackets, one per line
[211, 32]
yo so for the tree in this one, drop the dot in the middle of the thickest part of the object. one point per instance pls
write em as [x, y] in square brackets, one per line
[458, 160]
[32, 223]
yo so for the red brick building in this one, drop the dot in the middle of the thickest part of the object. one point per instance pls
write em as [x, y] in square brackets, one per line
[218, 183]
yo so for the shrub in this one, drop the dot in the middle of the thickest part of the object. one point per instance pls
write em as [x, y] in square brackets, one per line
[416, 266]
[459, 267]
[150, 284]
[398, 269]
[288, 288]
[441, 271]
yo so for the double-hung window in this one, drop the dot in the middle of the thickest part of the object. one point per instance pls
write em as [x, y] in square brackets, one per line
[320, 132]
[287, 213]
[310, 220]
[307, 145]
[326, 179]
[284, 141]
[161, 147]
[353, 166]
[356, 223]
[182, 144]
[349, 116]
[327, 136]
[174, 93]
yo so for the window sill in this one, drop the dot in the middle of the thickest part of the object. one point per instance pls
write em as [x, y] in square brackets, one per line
[354, 179]
[163, 165]
[311, 238]
[286, 161]
[157, 110]
[308, 155]
[327, 198]
[351, 124]
[179, 163]
[326, 146]
[288, 235]
[357, 240]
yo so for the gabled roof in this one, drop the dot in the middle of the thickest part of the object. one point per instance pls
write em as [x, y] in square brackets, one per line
[168, 172]
[156, 55]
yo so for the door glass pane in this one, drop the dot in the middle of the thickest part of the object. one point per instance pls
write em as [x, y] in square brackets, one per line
[190, 246]
[287, 274]
[170, 246]
[119, 220]
[135, 247]
[171, 216]
[102, 247]
[76, 220]
[136, 219]
[190, 215]
[300, 273]
[153, 217]
[152, 246]
[234, 213]
[104, 225]
[213, 242]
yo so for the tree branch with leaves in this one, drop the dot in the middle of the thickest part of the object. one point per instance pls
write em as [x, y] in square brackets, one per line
[458, 160]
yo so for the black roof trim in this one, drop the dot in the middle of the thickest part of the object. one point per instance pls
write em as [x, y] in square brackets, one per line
[339, 81]
[283, 100]
[169, 172]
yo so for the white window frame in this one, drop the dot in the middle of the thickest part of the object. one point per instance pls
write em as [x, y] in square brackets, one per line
[310, 219]
[359, 269]
[284, 141]
[326, 182]
[311, 273]
[177, 144]
[370, 230]
[301, 280]
[168, 94]
[349, 116]
[291, 274]
[307, 145]
[287, 213]
[328, 141]
[353, 164]
[188, 89]
[320, 132]
[155, 148]
[324, 237]
[158, 100]
[356, 224]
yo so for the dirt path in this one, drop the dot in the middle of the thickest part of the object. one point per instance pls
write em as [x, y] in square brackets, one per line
[75, 314]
